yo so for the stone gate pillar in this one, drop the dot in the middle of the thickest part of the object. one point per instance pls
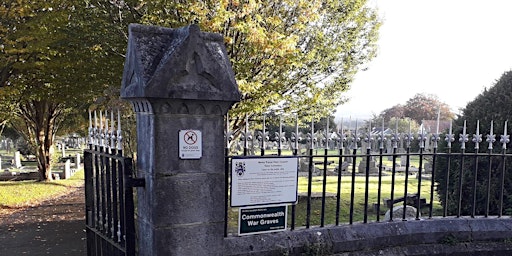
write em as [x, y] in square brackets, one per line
[181, 85]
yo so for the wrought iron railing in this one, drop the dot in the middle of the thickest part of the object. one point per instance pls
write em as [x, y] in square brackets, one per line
[378, 166]
[109, 184]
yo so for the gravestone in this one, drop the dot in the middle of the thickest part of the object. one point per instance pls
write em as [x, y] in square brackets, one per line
[398, 211]
[78, 160]
[67, 169]
[403, 157]
[179, 80]
[17, 159]
[63, 148]
[362, 166]
[347, 154]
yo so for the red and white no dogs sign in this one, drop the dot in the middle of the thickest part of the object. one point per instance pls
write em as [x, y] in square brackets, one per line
[191, 146]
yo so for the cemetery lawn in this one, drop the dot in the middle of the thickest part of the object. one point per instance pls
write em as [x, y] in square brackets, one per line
[359, 200]
[20, 194]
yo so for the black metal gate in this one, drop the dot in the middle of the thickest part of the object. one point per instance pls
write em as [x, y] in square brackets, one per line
[109, 201]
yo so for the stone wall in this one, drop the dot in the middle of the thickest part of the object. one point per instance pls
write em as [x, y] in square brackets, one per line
[446, 236]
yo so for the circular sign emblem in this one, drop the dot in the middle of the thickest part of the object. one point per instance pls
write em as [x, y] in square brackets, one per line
[190, 137]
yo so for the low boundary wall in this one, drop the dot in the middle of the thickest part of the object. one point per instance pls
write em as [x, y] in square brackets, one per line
[460, 236]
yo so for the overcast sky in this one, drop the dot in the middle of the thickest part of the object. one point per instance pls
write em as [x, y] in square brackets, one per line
[451, 48]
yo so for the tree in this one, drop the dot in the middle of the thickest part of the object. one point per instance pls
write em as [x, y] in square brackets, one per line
[50, 68]
[418, 108]
[296, 55]
[492, 105]
[396, 111]
[425, 107]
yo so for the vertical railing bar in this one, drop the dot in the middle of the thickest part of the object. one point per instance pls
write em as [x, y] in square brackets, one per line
[476, 139]
[395, 140]
[382, 139]
[392, 195]
[103, 184]
[379, 184]
[463, 139]
[406, 183]
[338, 185]
[475, 182]
[108, 181]
[263, 137]
[108, 171]
[449, 138]
[418, 195]
[432, 184]
[324, 187]
[115, 199]
[502, 182]
[421, 139]
[280, 137]
[504, 140]
[122, 201]
[295, 152]
[367, 183]
[310, 176]
[108, 196]
[447, 183]
[490, 139]
[324, 179]
[352, 185]
[113, 175]
[355, 138]
[341, 158]
[461, 172]
[488, 198]
[103, 221]
[97, 189]
[369, 140]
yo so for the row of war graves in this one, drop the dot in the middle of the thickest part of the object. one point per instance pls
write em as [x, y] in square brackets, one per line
[14, 166]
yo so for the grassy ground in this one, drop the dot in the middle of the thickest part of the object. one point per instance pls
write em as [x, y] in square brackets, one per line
[359, 199]
[15, 194]
[19, 194]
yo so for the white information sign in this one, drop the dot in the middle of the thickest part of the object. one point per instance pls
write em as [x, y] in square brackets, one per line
[261, 181]
[191, 146]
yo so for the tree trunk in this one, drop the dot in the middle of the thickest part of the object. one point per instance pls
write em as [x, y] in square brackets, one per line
[40, 126]
[44, 163]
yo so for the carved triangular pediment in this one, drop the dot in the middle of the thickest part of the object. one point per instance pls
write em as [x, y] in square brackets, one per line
[180, 63]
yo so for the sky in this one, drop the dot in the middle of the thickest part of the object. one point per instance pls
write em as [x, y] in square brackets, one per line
[453, 49]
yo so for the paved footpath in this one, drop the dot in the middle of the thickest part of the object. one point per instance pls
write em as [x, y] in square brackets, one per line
[56, 227]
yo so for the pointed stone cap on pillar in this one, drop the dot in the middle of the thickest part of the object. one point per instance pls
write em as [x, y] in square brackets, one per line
[182, 63]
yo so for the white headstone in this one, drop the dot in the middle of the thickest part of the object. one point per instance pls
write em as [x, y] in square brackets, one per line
[67, 169]
[77, 162]
[63, 150]
[17, 159]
